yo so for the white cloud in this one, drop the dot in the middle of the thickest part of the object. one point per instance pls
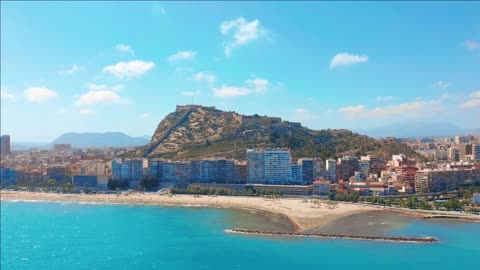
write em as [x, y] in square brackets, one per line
[346, 59]
[385, 99]
[39, 94]
[129, 70]
[6, 95]
[99, 97]
[190, 93]
[471, 45]
[475, 94]
[241, 32]
[442, 85]
[411, 108]
[303, 115]
[251, 86]
[204, 76]
[145, 115]
[181, 56]
[97, 87]
[230, 91]
[87, 112]
[258, 84]
[301, 110]
[352, 109]
[470, 104]
[75, 68]
[125, 48]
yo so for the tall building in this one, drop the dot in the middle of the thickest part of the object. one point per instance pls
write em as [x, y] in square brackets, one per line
[453, 154]
[307, 166]
[155, 168]
[255, 166]
[461, 140]
[177, 172]
[377, 165]
[182, 171]
[5, 145]
[444, 179]
[272, 166]
[7, 176]
[240, 172]
[199, 171]
[318, 168]
[364, 168]
[349, 165]
[464, 150]
[127, 169]
[408, 173]
[278, 166]
[297, 174]
[476, 151]
[216, 170]
[58, 173]
[331, 170]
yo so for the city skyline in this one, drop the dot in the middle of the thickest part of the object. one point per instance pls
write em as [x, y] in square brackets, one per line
[327, 65]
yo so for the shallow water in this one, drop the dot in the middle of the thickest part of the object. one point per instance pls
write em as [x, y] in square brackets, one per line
[44, 235]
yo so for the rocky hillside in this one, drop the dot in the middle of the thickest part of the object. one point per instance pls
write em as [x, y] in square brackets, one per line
[201, 132]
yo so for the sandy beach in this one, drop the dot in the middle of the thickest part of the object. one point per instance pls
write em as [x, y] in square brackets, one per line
[304, 214]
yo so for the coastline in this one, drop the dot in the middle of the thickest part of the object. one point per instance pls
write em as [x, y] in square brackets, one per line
[302, 213]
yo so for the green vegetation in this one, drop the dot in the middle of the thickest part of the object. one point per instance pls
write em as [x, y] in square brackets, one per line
[451, 204]
[199, 190]
[348, 197]
[149, 182]
[117, 184]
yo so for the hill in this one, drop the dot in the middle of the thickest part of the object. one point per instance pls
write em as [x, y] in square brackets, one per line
[107, 139]
[202, 132]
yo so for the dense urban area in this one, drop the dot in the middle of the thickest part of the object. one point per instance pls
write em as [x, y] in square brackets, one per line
[449, 180]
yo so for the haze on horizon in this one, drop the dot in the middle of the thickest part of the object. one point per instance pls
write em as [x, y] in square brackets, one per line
[105, 66]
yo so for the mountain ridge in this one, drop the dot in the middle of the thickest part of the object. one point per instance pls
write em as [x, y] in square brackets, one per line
[194, 131]
[100, 139]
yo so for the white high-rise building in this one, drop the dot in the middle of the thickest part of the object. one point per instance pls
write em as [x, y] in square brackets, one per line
[331, 170]
[272, 166]
[278, 166]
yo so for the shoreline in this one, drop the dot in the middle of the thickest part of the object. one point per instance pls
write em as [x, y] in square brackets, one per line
[302, 213]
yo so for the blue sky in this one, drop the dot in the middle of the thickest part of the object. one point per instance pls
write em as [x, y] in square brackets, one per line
[105, 66]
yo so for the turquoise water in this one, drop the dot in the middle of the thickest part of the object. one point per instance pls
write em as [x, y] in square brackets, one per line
[44, 235]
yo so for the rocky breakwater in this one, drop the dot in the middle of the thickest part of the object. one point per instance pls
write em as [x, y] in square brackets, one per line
[403, 239]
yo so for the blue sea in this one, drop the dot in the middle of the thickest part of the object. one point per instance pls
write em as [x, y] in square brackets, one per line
[51, 235]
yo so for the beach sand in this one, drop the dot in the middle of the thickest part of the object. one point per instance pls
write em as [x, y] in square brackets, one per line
[304, 214]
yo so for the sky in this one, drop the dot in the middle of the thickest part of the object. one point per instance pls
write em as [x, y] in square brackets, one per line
[123, 66]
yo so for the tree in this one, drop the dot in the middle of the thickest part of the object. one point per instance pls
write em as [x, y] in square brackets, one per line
[425, 205]
[149, 182]
[117, 184]
[412, 202]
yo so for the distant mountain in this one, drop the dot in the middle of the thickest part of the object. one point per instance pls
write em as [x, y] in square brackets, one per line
[107, 139]
[201, 132]
[418, 129]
